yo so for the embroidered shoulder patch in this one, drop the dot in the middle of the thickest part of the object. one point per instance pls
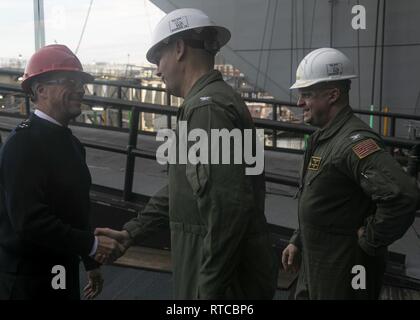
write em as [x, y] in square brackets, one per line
[365, 148]
[314, 163]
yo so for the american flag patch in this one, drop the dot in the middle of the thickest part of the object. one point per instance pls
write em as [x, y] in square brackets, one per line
[365, 148]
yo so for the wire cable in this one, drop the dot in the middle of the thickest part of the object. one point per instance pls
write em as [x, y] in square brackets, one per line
[262, 44]
[84, 27]
[271, 42]
[312, 25]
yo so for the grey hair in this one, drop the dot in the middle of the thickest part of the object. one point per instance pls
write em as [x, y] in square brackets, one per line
[33, 88]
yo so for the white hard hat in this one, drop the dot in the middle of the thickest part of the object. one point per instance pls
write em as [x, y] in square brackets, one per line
[181, 20]
[322, 65]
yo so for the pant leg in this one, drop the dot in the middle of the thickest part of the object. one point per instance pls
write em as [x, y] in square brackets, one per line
[302, 292]
[375, 269]
[7, 281]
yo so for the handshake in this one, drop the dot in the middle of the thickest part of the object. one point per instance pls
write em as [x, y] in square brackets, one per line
[112, 244]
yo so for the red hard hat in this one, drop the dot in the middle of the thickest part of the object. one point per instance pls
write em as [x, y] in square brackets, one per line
[55, 57]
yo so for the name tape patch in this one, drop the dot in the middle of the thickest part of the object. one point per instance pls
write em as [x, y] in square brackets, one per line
[365, 148]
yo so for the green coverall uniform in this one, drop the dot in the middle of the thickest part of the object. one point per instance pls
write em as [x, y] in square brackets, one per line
[220, 242]
[348, 181]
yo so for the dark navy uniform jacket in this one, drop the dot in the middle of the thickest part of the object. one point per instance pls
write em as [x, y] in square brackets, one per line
[44, 210]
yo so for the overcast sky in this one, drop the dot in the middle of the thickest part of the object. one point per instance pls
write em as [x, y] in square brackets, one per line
[115, 28]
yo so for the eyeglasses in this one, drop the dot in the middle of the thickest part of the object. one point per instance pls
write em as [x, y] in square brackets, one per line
[74, 83]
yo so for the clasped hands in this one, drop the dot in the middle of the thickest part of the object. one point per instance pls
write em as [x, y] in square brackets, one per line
[112, 244]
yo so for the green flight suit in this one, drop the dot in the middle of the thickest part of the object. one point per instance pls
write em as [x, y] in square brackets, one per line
[219, 237]
[348, 180]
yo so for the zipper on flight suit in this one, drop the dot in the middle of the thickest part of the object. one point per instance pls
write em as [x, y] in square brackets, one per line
[298, 191]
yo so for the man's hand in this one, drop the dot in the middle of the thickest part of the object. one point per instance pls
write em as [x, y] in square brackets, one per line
[108, 249]
[360, 232]
[122, 236]
[95, 283]
[291, 258]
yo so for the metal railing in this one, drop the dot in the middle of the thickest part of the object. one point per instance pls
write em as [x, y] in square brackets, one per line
[131, 151]
[275, 104]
